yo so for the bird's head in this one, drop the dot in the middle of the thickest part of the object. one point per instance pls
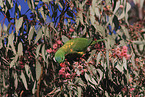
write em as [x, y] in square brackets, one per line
[59, 56]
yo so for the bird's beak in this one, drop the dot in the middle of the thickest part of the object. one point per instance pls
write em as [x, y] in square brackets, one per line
[62, 64]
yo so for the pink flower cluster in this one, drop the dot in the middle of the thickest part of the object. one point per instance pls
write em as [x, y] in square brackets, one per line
[55, 46]
[63, 73]
[66, 73]
[122, 53]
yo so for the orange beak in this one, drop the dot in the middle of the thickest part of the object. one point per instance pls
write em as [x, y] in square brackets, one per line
[62, 64]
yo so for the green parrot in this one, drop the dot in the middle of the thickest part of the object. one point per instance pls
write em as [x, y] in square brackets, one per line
[76, 45]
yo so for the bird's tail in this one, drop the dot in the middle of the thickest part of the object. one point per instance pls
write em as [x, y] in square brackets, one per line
[96, 41]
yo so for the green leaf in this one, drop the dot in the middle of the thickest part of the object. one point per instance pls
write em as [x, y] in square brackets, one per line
[8, 28]
[43, 51]
[133, 61]
[47, 1]
[135, 1]
[37, 2]
[16, 57]
[106, 94]
[46, 31]
[42, 13]
[22, 76]
[34, 88]
[20, 49]
[10, 3]
[141, 3]
[15, 80]
[98, 58]
[0, 29]
[12, 64]
[127, 76]
[5, 28]
[39, 35]
[93, 69]
[19, 24]
[128, 7]
[121, 16]
[92, 54]
[80, 17]
[125, 30]
[19, 7]
[120, 68]
[100, 29]
[29, 4]
[108, 63]
[93, 81]
[1, 3]
[101, 75]
[1, 45]
[125, 63]
[64, 39]
[95, 9]
[11, 38]
[4, 82]
[117, 6]
[79, 91]
[27, 68]
[37, 50]
[31, 32]
[38, 70]
[139, 42]
[87, 77]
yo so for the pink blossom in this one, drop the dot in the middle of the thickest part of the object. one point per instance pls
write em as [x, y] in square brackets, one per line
[59, 42]
[137, 59]
[67, 75]
[122, 53]
[62, 72]
[118, 48]
[82, 72]
[121, 6]
[128, 56]
[124, 47]
[131, 89]
[118, 52]
[63, 69]
[125, 54]
[80, 67]
[130, 80]
[49, 50]
[20, 62]
[76, 63]
[71, 30]
[54, 50]
[124, 89]
[55, 46]
[125, 51]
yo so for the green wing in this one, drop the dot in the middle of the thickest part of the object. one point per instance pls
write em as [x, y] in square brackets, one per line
[76, 45]
[81, 44]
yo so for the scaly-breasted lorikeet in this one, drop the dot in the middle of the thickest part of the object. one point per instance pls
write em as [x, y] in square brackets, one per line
[76, 45]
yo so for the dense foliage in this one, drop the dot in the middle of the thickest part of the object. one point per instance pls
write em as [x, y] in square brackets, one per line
[115, 67]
